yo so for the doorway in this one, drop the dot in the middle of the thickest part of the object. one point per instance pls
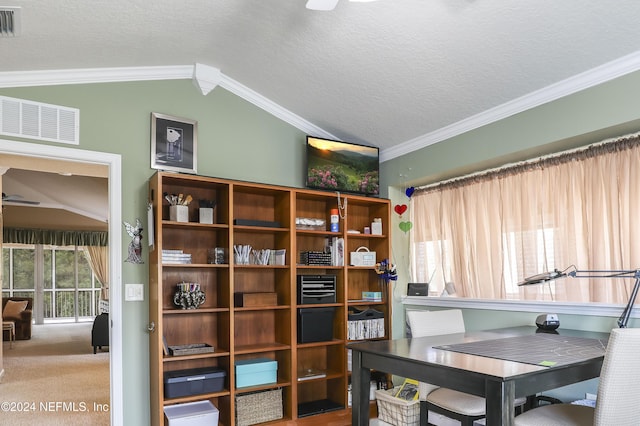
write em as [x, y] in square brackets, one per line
[25, 153]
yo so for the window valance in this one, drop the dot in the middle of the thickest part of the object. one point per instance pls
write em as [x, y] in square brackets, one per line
[57, 238]
[579, 154]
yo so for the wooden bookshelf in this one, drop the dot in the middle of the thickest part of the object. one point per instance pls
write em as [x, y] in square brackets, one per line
[270, 331]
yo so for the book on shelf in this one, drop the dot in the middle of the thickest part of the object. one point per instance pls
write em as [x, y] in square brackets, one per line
[176, 256]
[165, 348]
[177, 261]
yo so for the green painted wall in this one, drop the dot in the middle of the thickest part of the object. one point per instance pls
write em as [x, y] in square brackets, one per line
[237, 140]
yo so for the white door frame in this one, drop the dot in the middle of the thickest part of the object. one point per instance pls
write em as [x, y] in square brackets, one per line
[113, 162]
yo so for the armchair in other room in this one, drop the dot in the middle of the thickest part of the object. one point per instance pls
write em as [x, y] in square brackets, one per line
[20, 311]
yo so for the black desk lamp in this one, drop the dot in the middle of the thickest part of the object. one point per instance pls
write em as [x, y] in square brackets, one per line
[574, 273]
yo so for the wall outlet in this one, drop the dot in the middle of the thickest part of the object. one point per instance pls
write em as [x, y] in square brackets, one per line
[591, 396]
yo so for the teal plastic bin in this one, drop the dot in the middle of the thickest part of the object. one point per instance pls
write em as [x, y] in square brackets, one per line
[256, 372]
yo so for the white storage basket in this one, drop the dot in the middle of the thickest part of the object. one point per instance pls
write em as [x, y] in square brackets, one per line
[396, 411]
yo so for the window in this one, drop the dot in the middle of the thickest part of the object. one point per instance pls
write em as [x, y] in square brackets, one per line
[66, 287]
[19, 272]
[487, 232]
[516, 244]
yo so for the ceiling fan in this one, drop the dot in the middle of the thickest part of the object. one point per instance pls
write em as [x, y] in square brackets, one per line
[326, 4]
[17, 199]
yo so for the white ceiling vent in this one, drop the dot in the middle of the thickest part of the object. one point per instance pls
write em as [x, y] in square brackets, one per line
[9, 21]
[36, 120]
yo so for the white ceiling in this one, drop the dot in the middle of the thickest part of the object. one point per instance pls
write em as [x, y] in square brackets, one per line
[70, 196]
[394, 74]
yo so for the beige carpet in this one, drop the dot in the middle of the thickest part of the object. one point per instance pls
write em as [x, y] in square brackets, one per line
[55, 379]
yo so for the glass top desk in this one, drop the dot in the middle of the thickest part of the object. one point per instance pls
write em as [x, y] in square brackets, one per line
[551, 360]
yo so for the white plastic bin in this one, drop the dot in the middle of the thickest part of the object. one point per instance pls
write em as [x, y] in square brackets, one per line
[199, 413]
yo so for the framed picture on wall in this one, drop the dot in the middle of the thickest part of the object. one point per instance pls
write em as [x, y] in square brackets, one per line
[174, 143]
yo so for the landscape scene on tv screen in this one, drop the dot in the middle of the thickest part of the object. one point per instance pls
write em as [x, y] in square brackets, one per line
[342, 166]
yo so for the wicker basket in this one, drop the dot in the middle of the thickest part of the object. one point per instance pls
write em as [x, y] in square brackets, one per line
[396, 411]
[258, 407]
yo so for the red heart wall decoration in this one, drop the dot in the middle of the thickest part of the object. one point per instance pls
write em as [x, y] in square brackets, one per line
[400, 208]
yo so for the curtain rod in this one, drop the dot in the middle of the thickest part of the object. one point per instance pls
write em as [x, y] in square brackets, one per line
[567, 155]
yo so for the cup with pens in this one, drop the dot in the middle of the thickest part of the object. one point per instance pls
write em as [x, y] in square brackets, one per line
[188, 296]
[178, 206]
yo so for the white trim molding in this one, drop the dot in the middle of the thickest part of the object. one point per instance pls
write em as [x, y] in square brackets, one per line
[569, 308]
[178, 72]
[591, 78]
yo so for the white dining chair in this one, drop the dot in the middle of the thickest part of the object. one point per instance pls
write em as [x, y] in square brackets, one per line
[453, 404]
[618, 390]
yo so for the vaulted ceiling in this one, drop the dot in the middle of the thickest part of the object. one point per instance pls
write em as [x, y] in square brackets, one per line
[394, 74]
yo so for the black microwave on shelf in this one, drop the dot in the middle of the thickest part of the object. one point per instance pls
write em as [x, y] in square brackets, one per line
[315, 289]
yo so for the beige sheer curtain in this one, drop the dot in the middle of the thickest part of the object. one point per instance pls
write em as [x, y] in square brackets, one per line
[486, 232]
[98, 258]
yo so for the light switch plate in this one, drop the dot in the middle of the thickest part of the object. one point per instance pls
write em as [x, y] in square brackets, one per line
[134, 292]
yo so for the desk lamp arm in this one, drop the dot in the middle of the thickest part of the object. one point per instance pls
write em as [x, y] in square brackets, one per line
[575, 273]
[624, 318]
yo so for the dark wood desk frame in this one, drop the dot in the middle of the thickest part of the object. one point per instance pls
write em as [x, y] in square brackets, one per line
[499, 381]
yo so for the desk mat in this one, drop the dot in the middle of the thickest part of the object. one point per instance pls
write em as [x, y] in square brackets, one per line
[545, 349]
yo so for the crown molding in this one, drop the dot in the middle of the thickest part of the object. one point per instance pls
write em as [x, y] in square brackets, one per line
[601, 74]
[93, 75]
[274, 109]
[179, 72]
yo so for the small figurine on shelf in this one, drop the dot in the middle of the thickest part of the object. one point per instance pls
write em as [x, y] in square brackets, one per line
[386, 271]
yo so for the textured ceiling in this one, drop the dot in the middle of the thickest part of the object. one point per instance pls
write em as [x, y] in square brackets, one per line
[387, 73]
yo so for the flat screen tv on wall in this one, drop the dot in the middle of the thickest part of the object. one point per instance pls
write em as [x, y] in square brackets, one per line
[342, 166]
